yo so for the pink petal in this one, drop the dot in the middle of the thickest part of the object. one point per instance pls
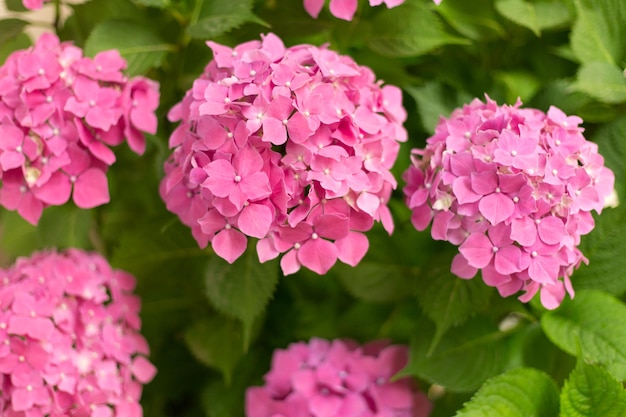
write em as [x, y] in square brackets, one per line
[477, 249]
[343, 9]
[324, 405]
[312, 7]
[21, 399]
[56, 191]
[319, 255]
[143, 369]
[508, 260]
[352, 248]
[524, 231]
[91, 189]
[255, 220]
[289, 263]
[229, 244]
[332, 226]
[496, 207]
[461, 268]
[551, 230]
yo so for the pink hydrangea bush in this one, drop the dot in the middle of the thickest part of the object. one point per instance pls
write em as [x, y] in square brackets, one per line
[292, 146]
[337, 379]
[70, 341]
[60, 114]
[514, 189]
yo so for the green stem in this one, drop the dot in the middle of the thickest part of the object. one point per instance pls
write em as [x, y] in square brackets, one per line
[57, 16]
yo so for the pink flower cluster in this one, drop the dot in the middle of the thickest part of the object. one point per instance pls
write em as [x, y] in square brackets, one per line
[337, 379]
[60, 113]
[292, 146]
[70, 342]
[345, 9]
[513, 188]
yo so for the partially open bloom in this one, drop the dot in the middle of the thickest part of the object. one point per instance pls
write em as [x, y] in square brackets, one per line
[60, 114]
[337, 379]
[514, 189]
[69, 338]
[292, 146]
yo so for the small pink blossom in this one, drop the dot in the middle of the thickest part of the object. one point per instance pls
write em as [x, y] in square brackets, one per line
[513, 188]
[337, 379]
[34, 4]
[62, 113]
[64, 344]
[292, 146]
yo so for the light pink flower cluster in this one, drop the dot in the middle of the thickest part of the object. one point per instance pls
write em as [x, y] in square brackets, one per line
[60, 113]
[337, 379]
[513, 188]
[69, 338]
[291, 146]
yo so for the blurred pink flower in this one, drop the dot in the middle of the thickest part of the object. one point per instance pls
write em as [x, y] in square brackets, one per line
[34, 4]
[337, 379]
[70, 340]
[345, 9]
[513, 188]
[61, 114]
[292, 146]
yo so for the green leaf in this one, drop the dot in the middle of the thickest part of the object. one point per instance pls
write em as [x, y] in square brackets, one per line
[10, 29]
[536, 15]
[376, 281]
[592, 327]
[224, 400]
[66, 226]
[141, 45]
[602, 81]
[599, 33]
[519, 84]
[217, 342]
[243, 289]
[86, 16]
[521, 392]
[462, 360]
[476, 20]
[447, 299]
[531, 348]
[435, 100]
[216, 17]
[15, 6]
[592, 391]
[409, 30]
[21, 41]
[161, 4]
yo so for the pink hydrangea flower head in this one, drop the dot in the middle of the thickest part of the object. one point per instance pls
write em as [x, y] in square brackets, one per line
[291, 146]
[337, 378]
[70, 341]
[62, 113]
[514, 189]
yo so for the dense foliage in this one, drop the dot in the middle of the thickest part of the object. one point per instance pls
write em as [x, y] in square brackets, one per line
[213, 327]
